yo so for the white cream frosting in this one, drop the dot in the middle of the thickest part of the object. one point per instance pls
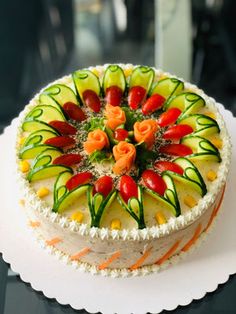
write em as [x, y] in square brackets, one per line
[173, 224]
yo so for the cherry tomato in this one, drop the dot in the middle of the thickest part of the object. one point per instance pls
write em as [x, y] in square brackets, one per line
[114, 95]
[67, 160]
[103, 185]
[176, 132]
[163, 165]
[154, 181]
[92, 100]
[120, 134]
[63, 128]
[176, 150]
[128, 188]
[169, 117]
[153, 103]
[136, 96]
[78, 179]
[74, 112]
[60, 141]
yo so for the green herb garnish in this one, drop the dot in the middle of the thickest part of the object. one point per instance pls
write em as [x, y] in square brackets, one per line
[100, 156]
[131, 118]
[144, 156]
[94, 123]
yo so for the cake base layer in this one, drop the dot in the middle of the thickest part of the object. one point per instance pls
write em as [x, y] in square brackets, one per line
[119, 253]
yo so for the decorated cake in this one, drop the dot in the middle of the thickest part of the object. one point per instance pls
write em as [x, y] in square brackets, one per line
[122, 168]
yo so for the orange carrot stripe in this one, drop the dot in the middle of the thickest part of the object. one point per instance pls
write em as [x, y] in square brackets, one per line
[193, 239]
[109, 260]
[168, 253]
[141, 260]
[34, 224]
[215, 210]
[53, 241]
[83, 252]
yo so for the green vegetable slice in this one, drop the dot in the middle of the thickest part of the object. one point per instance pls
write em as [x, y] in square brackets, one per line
[187, 102]
[46, 157]
[191, 176]
[98, 204]
[202, 148]
[169, 206]
[46, 113]
[201, 124]
[135, 207]
[170, 193]
[167, 87]
[114, 76]
[32, 124]
[45, 172]
[39, 136]
[61, 94]
[84, 80]
[45, 99]
[31, 151]
[142, 76]
[68, 198]
[60, 189]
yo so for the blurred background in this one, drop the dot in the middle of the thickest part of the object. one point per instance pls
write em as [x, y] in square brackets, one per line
[41, 40]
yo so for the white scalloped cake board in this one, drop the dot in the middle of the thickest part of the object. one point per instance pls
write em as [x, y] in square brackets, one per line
[192, 278]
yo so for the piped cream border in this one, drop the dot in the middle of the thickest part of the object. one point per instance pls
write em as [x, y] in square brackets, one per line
[173, 224]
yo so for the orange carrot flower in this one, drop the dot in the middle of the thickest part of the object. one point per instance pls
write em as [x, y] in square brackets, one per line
[124, 154]
[144, 131]
[96, 140]
[115, 116]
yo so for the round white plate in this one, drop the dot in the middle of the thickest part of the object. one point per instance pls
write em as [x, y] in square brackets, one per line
[192, 278]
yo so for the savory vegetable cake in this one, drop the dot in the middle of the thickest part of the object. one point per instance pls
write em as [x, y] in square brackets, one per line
[121, 167]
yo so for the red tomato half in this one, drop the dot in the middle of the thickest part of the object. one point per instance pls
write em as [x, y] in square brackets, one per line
[103, 185]
[154, 181]
[128, 188]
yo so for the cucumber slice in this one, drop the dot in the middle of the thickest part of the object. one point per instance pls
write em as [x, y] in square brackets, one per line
[100, 205]
[187, 102]
[84, 80]
[69, 198]
[61, 94]
[31, 151]
[202, 148]
[162, 200]
[46, 114]
[171, 194]
[191, 175]
[45, 99]
[46, 157]
[114, 76]
[135, 207]
[39, 136]
[201, 124]
[60, 189]
[43, 172]
[31, 124]
[167, 87]
[142, 76]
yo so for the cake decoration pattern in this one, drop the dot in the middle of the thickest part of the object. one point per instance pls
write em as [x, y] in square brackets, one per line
[122, 166]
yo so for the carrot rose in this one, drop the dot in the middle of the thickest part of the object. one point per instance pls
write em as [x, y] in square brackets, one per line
[96, 140]
[124, 154]
[115, 116]
[144, 131]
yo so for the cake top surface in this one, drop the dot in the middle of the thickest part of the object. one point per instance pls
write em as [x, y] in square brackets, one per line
[122, 151]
